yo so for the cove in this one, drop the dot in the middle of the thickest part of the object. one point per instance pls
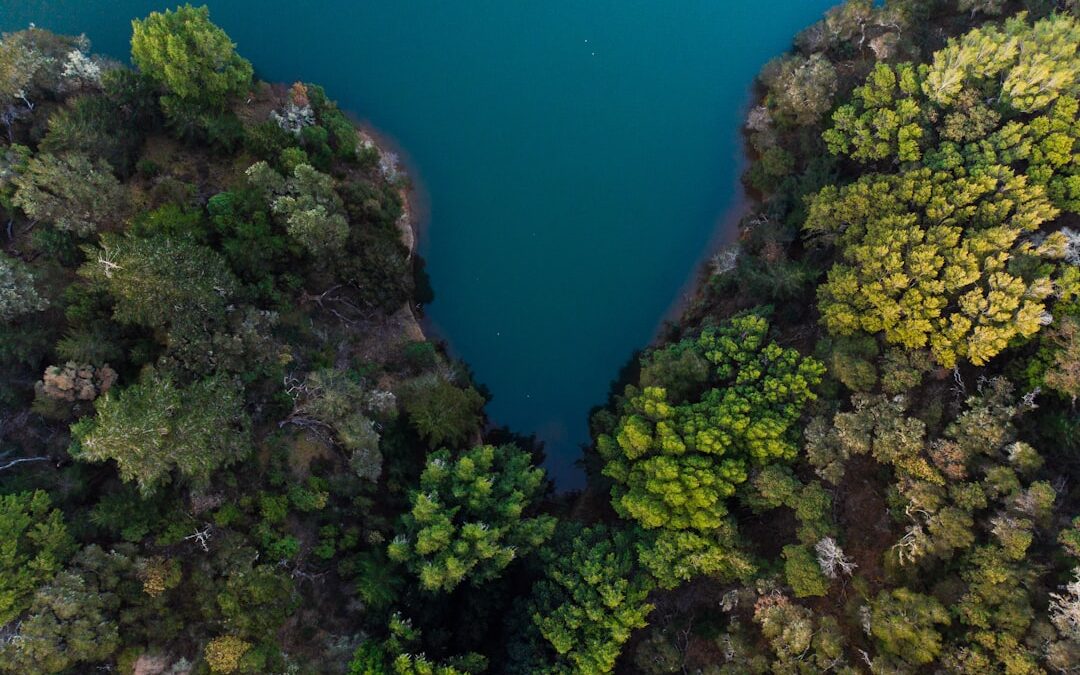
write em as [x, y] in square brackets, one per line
[576, 157]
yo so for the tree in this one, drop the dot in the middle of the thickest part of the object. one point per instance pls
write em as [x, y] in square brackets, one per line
[155, 426]
[223, 653]
[675, 465]
[677, 556]
[35, 545]
[590, 599]
[162, 282]
[801, 89]
[803, 573]
[904, 624]
[799, 645]
[351, 409]
[191, 58]
[1063, 375]
[17, 293]
[441, 412]
[467, 520]
[313, 213]
[31, 65]
[70, 192]
[925, 260]
[70, 622]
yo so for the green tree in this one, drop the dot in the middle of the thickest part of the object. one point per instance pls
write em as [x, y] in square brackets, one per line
[70, 192]
[156, 425]
[35, 545]
[70, 622]
[674, 466]
[17, 293]
[191, 58]
[904, 623]
[468, 518]
[925, 260]
[803, 572]
[590, 599]
[441, 412]
[162, 282]
[677, 556]
[307, 205]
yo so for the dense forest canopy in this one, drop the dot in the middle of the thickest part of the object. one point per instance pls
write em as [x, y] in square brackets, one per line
[227, 447]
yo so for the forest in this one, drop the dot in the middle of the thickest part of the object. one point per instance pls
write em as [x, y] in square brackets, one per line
[227, 446]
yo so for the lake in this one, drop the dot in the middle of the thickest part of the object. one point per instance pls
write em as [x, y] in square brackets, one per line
[574, 159]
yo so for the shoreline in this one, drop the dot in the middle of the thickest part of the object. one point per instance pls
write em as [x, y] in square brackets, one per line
[407, 223]
[724, 232]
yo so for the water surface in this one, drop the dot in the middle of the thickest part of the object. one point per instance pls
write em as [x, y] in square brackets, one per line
[576, 156]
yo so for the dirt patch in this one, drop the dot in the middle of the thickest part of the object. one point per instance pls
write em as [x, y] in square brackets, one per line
[864, 518]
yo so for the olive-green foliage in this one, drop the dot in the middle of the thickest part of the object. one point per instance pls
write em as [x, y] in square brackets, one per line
[656, 655]
[776, 486]
[852, 361]
[800, 89]
[18, 296]
[590, 599]
[1063, 372]
[803, 572]
[468, 518]
[677, 556]
[99, 126]
[674, 466]
[70, 192]
[161, 282]
[800, 642]
[905, 625]
[253, 603]
[70, 622]
[441, 412]
[156, 425]
[193, 60]
[35, 545]
[307, 205]
[680, 369]
[31, 65]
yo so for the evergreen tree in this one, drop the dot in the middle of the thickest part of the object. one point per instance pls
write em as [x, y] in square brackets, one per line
[674, 466]
[189, 57]
[590, 599]
[468, 519]
[70, 192]
[156, 425]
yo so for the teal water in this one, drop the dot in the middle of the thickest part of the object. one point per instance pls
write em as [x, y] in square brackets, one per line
[576, 156]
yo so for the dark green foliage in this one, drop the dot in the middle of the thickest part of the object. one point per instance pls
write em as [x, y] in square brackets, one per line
[94, 126]
[441, 412]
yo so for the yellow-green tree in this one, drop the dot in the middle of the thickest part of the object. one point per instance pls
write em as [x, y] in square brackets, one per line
[927, 259]
[189, 57]
[469, 518]
[674, 466]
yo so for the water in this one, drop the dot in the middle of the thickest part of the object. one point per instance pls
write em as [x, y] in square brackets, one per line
[575, 157]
